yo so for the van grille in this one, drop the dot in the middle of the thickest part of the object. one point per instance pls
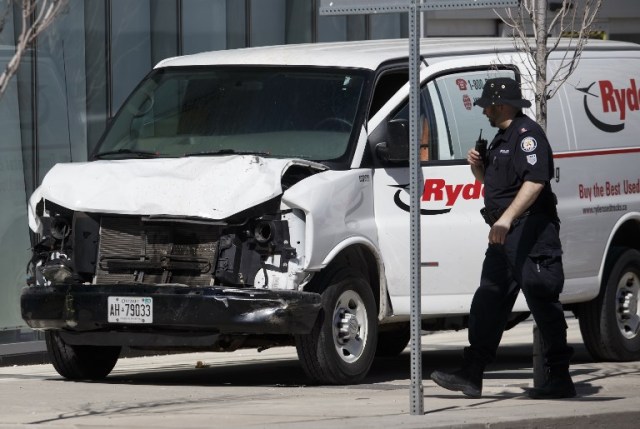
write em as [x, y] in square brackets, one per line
[137, 250]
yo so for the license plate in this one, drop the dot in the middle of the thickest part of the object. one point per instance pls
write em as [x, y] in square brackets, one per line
[130, 309]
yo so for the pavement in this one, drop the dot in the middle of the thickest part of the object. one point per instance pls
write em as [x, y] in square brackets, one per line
[248, 389]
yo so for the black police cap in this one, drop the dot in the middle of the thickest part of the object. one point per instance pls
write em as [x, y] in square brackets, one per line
[501, 90]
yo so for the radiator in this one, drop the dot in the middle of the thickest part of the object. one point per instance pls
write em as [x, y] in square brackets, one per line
[137, 250]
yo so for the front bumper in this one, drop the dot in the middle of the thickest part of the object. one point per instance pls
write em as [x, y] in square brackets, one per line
[212, 310]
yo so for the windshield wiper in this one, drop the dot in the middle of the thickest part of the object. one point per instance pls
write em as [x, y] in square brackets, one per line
[228, 152]
[133, 153]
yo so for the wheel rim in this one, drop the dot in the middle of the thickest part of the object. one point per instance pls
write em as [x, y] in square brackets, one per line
[350, 326]
[627, 311]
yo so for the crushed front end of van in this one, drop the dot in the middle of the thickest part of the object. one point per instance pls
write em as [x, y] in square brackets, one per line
[175, 234]
[86, 255]
[146, 276]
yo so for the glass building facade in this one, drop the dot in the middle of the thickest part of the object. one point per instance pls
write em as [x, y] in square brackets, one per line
[83, 67]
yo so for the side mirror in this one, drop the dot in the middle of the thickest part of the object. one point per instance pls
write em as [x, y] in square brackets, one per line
[396, 148]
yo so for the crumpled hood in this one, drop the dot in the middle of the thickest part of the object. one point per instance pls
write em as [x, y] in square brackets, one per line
[206, 187]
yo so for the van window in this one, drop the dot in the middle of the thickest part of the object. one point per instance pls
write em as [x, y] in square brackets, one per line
[459, 122]
[428, 125]
[450, 122]
[388, 84]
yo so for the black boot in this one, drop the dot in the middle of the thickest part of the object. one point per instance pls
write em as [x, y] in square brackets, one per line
[467, 380]
[558, 385]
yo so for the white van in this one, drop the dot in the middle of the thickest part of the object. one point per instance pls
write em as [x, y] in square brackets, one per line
[258, 197]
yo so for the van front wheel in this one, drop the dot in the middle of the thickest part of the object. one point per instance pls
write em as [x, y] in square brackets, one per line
[610, 324]
[80, 362]
[341, 347]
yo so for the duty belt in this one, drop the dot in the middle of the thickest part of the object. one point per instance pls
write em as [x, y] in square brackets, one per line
[492, 216]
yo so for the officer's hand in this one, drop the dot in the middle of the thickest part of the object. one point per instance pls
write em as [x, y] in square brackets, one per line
[499, 231]
[474, 159]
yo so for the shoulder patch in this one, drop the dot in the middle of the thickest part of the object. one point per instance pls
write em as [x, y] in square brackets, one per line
[532, 159]
[528, 144]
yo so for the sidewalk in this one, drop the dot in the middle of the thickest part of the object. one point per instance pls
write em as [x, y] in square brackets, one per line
[246, 389]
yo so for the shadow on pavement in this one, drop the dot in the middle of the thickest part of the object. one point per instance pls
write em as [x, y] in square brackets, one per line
[513, 362]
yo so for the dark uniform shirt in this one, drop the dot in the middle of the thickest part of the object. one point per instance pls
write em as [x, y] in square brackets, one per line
[517, 154]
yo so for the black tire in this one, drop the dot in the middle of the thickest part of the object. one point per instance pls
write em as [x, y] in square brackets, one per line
[610, 324]
[393, 342]
[341, 347]
[80, 362]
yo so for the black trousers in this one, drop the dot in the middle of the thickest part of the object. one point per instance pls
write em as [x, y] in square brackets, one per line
[530, 260]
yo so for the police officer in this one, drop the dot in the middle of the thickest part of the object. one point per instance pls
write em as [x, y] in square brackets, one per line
[524, 251]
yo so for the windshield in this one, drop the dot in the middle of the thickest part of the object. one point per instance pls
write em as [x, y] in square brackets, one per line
[291, 113]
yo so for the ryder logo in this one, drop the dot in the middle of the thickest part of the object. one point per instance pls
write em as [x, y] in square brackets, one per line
[439, 191]
[613, 99]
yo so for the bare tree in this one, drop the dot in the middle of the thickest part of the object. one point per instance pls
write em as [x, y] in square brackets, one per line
[572, 21]
[37, 15]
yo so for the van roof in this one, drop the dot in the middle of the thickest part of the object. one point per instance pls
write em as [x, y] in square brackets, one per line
[368, 54]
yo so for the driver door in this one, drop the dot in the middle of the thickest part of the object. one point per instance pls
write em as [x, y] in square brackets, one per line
[453, 234]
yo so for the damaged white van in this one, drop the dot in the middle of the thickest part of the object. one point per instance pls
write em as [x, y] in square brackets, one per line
[258, 198]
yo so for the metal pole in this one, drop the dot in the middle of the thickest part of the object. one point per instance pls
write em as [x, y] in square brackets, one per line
[417, 397]
[350, 7]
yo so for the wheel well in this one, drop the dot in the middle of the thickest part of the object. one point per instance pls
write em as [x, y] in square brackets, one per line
[628, 235]
[361, 259]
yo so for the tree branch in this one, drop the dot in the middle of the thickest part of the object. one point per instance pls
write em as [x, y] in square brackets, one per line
[572, 22]
[45, 13]
[5, 13]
